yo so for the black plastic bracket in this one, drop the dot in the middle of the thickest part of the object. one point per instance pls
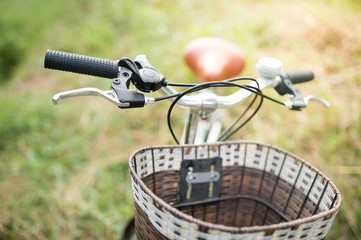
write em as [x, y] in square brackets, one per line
[286, 87]
[144, 76]
[120, 86]
[200, 179]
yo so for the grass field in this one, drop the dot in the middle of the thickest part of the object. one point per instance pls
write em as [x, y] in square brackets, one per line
[63, 169]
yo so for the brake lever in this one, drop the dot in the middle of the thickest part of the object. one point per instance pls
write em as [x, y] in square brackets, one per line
[314, 98]
[297, 104]
[119, 93]
[89, 91]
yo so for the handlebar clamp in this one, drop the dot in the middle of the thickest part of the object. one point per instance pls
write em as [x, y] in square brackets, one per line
[144, 76]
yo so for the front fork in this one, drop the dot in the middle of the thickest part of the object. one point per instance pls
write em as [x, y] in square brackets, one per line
[202, 127]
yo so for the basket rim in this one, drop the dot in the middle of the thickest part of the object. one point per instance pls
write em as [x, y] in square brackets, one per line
[221, 227]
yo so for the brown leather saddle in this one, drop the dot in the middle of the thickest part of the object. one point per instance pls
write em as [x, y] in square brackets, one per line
[214, 59]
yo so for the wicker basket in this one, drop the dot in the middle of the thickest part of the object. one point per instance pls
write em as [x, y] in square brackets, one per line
[266, 193]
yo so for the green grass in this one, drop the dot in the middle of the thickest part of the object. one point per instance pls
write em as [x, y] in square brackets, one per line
[63, 169]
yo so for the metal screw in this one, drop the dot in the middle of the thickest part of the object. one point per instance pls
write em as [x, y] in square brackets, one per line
[203, 115]
[125, 74]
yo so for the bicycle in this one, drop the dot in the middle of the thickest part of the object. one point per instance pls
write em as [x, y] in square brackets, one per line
[206, 187]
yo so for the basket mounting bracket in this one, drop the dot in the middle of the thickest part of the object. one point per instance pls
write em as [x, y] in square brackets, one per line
[200, 179]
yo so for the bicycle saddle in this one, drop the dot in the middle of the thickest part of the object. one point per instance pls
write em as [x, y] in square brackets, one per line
[214, 59]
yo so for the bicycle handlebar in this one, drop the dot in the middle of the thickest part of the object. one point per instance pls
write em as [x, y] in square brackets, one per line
[208, 100]
[146, 78]
[81, 64]
[101, 67]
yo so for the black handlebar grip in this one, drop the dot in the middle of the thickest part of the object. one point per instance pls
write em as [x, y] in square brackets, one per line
[81, 64]
[300, 76]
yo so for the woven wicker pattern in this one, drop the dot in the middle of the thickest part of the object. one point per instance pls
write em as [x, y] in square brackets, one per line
[267, 193]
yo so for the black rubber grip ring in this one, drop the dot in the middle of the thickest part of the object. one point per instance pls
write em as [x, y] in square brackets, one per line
[81, 64]
[300, 76]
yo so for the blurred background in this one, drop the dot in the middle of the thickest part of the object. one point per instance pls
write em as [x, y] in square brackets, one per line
[63, 169]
